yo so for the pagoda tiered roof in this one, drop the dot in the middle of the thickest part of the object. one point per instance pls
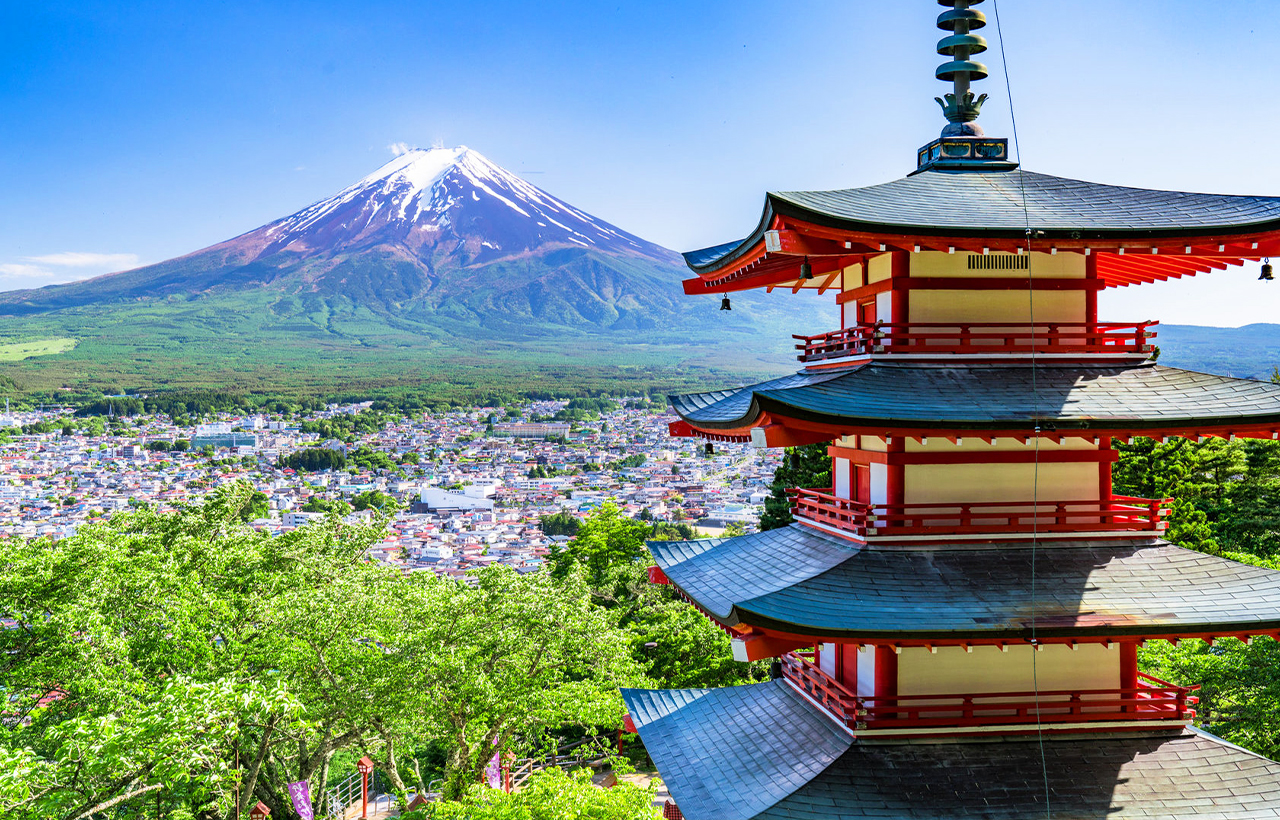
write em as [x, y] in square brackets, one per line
[766, 752]
[1137, 399]
[982, 209]
[801, 582]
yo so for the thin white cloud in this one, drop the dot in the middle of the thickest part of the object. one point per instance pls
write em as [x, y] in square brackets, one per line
[398, 148]
[76, 259]
[17, 269]
[60, 268]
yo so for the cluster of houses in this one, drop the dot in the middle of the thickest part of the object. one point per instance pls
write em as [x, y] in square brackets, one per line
[469, 487]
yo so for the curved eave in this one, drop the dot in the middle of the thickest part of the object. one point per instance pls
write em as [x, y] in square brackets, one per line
[1134, 400]
[775, 408]
[743, 616]
[747, 264]
[1066, 235]
[799, 583]
[1143, 631]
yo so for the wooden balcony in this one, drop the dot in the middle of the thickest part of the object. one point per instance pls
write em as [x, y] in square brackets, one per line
[983, 339]
[1120, 513]
[1153, 699]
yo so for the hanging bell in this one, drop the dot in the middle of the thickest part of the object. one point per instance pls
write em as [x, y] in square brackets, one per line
[806, 270]
[724, 304]
[711, 449]
[1267, 275]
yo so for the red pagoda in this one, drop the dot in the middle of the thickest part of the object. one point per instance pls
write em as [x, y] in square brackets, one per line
[957, 617]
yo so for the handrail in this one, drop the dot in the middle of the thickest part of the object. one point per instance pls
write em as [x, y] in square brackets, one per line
[1143, 702]
[1115, 514]
[978, 338]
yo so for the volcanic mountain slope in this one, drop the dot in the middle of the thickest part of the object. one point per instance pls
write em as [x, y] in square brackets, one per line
[434, 236]
[439, 266]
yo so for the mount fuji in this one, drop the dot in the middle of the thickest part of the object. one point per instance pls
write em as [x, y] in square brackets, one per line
[440, 256]
[441, 234]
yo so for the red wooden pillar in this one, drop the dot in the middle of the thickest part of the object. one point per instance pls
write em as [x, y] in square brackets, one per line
[1128, 670]
[895, 491]
[886, 677]
[848, 666]
[1104, 472]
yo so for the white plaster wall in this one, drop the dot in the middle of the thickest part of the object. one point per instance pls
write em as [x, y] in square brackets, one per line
[827, 659]
[866, 671]
[884, 307]
[843, 483]
[879, 483]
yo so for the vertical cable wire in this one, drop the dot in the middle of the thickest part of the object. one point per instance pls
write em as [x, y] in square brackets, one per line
[1035, 410]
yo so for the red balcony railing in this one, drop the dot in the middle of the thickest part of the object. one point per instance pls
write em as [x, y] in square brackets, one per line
[1120, 513]
[978, 339]
[1152, 699]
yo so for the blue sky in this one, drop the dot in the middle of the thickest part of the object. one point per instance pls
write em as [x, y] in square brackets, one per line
[137, 132]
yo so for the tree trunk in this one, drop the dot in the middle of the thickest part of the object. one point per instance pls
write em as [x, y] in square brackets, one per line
[459, 774]
[390, 766]
[250, 783]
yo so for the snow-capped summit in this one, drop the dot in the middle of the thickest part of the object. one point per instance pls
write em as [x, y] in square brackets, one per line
[451, 199]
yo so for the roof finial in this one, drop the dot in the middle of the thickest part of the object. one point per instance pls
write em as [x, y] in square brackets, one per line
[961, 107]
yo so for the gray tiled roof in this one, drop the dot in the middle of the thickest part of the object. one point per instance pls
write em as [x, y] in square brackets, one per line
[696, 742]
[761, 752]
[979, 397]
[1188, 775]
[797, 579]
[990, 203]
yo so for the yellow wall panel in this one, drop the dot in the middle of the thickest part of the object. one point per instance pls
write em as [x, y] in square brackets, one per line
[973, 306]
[987, 669]
[1041, 266]
[975, 483]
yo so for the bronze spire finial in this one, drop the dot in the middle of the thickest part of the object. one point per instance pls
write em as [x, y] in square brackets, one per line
[961, 107]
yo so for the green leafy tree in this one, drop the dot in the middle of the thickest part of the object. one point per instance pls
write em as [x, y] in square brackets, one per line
[807, 467]
[324, 505]
[605, 542]
[375, 500]
[549, 795]
[1225, 500]
[667, 531]
[499, 664]
[314, 460]
[282, 651]
[256, 506]
[561, 523]
[675, 642]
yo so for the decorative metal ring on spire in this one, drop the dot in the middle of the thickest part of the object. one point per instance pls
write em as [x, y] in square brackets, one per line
[963, 144]
[961, 107]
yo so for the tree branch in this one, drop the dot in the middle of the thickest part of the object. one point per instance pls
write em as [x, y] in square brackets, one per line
[103, 806]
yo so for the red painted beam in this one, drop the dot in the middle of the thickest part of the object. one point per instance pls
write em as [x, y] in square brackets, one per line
[795, 243]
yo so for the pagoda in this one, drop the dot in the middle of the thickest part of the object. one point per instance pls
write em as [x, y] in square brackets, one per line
[956, 619]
